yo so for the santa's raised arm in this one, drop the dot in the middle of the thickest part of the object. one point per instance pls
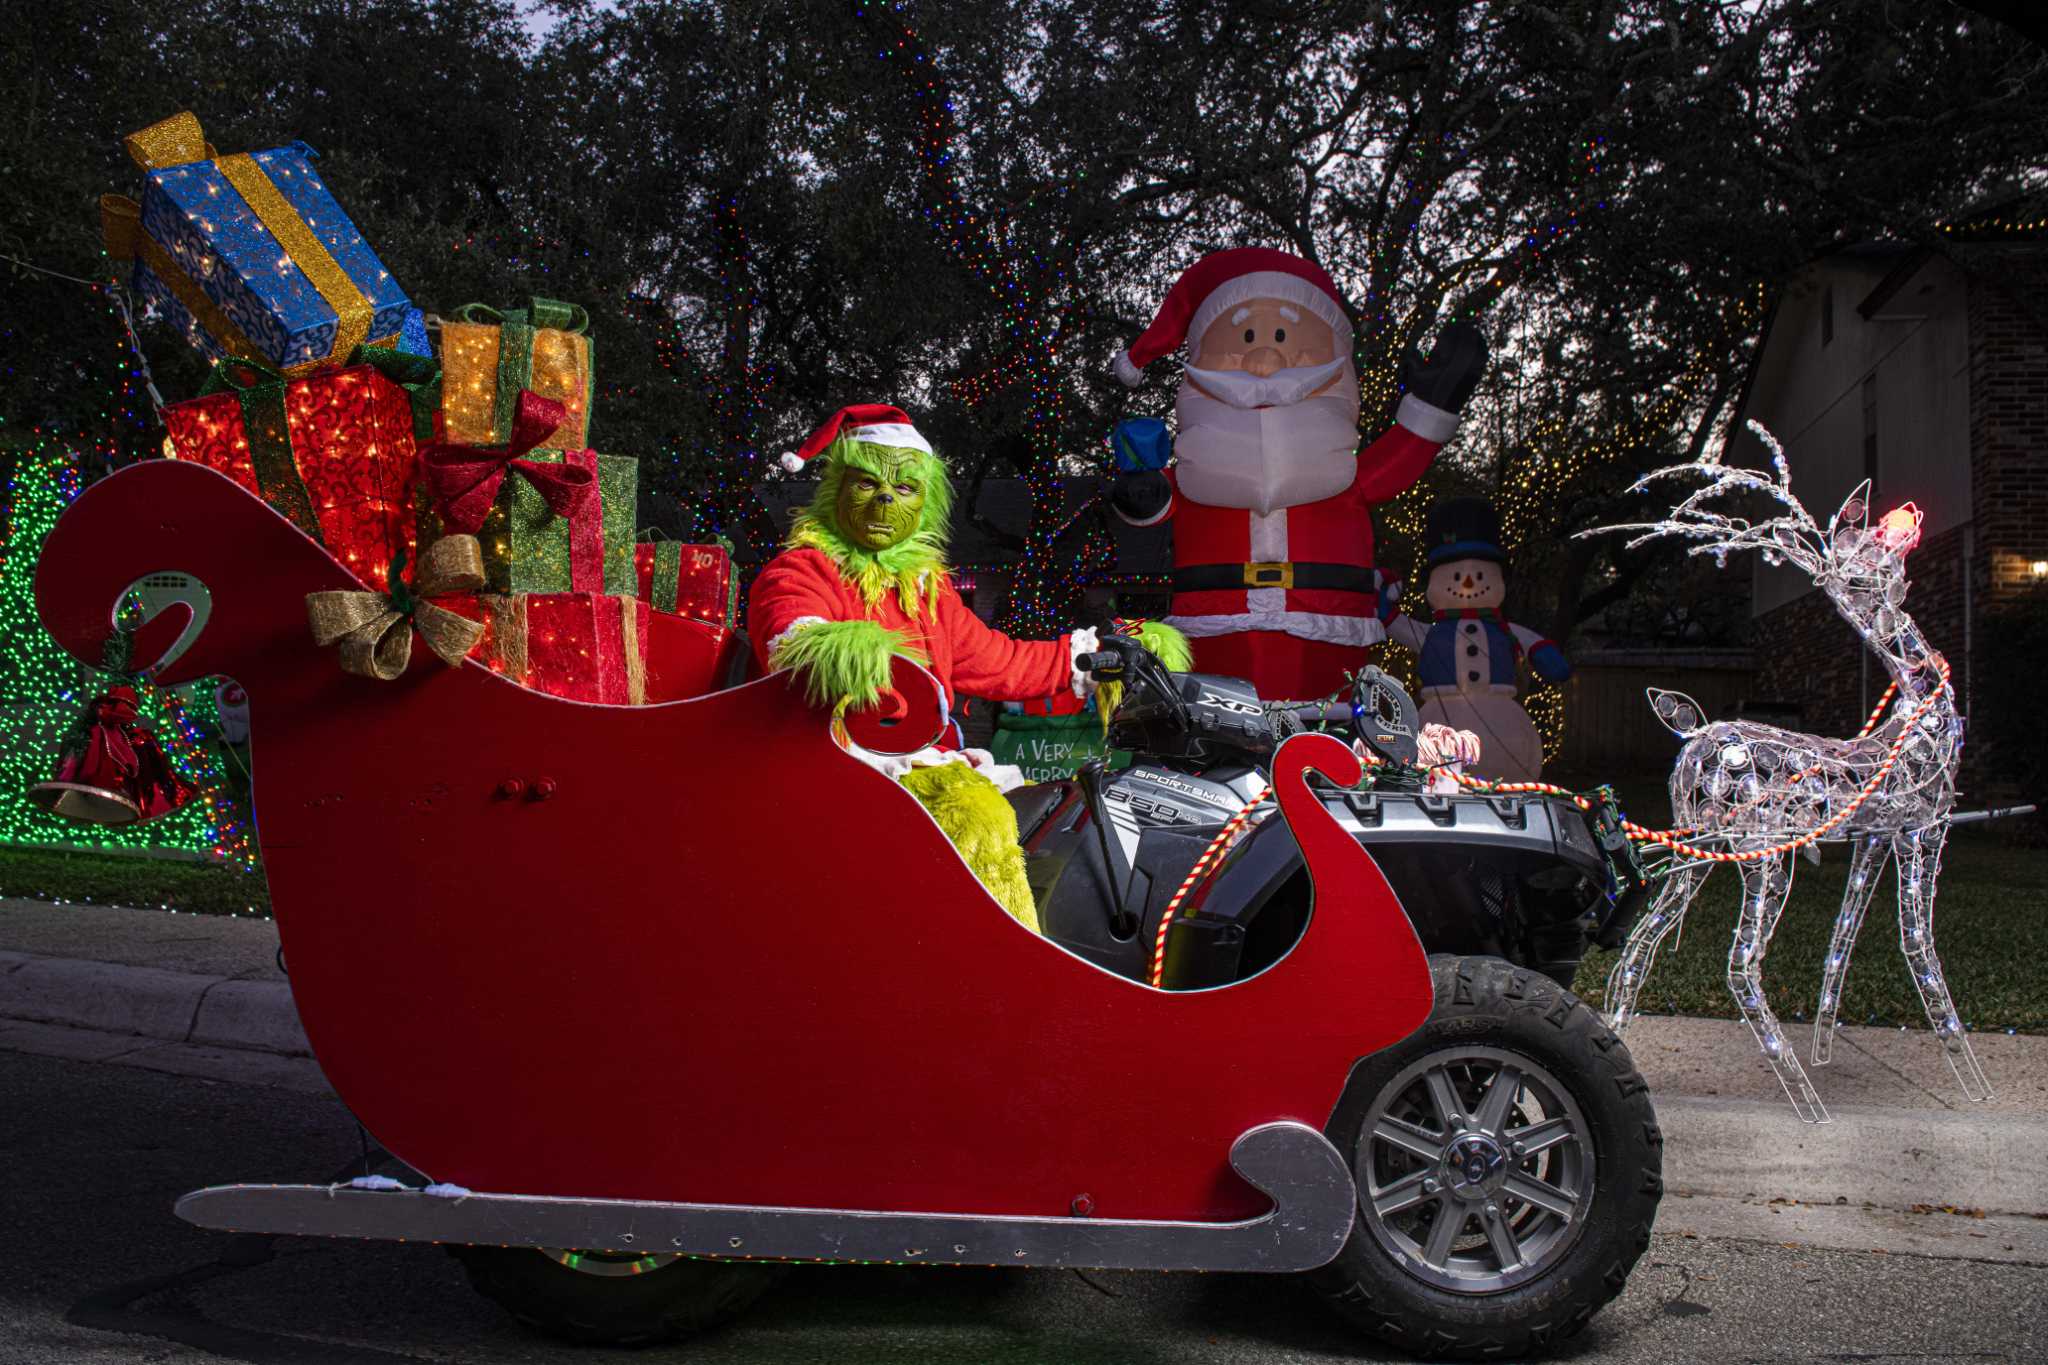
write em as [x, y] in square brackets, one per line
[1270, 495]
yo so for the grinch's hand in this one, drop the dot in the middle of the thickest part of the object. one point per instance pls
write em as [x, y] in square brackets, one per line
[1452, 370]
[1166, 642]
[841, 664]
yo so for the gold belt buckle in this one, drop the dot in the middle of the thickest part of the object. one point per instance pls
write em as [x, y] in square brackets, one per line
[1269, 575]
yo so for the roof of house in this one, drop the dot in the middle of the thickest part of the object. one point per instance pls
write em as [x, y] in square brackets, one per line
[2003, 248]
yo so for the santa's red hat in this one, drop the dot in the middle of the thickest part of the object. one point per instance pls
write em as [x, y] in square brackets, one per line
[1222, 280]
[874, 422]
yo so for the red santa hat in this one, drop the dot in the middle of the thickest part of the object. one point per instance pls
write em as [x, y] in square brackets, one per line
[874, 422]
[1222, 280]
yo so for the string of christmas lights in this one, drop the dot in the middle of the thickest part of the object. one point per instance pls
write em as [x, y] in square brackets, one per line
[45, 690]
[1553, 463]
[1026, 287]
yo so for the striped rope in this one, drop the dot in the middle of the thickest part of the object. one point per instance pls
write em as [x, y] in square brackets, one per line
[1663, 838]
[1194, 877]
[1669, 838]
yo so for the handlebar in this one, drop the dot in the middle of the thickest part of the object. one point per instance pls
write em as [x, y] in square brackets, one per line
[1101, 660]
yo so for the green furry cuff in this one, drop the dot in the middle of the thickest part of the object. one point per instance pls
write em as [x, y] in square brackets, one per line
[842, 663]
[1168, 644]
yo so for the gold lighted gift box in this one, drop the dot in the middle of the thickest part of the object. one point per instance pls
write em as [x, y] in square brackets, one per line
[470, 378]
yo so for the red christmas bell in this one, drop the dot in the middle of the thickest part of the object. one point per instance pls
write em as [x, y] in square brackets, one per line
[110, 770]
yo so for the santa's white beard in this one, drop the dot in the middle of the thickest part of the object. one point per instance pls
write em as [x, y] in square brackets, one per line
[1243, 389]
[1266, 458]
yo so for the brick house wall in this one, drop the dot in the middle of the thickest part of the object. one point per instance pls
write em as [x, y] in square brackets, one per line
[2008, 438]
[1806, 653]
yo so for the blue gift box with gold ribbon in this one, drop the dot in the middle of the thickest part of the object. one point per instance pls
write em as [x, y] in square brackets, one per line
[249, 254]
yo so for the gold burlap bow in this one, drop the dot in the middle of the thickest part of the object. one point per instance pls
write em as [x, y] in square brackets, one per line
[375, 630]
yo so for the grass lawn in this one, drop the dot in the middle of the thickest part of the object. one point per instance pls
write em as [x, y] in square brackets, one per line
[113, 879]
[1991, 921]
[1991, 930]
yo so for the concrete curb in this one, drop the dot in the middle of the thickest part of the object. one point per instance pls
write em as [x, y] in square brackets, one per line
[1981, 1160]
[171, 1007]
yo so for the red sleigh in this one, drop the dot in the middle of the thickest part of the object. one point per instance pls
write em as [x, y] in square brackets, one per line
[686, 978]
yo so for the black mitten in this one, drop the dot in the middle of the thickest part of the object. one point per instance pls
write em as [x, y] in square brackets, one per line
[1140, 497]
[1452, 370]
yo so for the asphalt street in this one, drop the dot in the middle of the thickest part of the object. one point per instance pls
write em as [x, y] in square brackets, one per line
[97, 1270]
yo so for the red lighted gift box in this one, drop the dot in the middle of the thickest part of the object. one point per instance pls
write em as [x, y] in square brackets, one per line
[688, 658]
[333, 453]
[581, 645]
[687, 580]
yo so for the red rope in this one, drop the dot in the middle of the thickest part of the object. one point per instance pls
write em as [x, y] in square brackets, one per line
[1665, 838]
[1188, 883]
[1668, 838]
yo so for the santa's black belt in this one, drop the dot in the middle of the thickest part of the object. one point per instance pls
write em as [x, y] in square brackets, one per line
[1233, 577]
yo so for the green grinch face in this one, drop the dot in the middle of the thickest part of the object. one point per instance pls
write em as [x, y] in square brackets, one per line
[877, 511]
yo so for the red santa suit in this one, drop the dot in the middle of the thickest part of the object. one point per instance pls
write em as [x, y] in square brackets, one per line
[1271, 499]
[1288, 599]
[803, 587]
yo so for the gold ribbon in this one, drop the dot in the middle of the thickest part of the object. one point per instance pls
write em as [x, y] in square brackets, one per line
[307, 251]
[375, 631]
[636, 653]
[175, 141]
[121, 230]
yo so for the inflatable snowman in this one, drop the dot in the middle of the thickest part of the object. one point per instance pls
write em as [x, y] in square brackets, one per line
[1469, 655]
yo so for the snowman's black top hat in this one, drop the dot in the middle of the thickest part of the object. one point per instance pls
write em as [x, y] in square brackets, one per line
[1464, 528]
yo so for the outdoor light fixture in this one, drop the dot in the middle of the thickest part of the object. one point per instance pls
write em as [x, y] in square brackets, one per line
[2039, 568]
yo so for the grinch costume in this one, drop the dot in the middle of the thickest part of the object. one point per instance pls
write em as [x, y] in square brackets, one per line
[864, 577]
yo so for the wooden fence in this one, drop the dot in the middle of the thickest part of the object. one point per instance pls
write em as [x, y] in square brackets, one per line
[1609, 727]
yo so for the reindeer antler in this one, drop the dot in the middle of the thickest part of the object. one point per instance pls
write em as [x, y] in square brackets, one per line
[1794, 536]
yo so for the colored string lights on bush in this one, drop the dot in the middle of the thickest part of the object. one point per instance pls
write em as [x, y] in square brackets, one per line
[46, 689]
[1750, 794]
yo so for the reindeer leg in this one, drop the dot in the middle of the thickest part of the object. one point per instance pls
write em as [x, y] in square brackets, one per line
[1639, 954]
[1866, 867]
[1765, 884]
[1919, 856]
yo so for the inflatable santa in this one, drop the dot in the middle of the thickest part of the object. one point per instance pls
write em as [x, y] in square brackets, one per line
[1270, 495]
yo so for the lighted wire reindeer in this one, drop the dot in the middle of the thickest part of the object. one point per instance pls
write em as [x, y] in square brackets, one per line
[1754, 795]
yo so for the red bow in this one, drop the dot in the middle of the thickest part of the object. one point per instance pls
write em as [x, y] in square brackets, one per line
[464, 480]
[112, 746]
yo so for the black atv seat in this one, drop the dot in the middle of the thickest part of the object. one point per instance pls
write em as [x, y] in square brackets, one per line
[1034, 803]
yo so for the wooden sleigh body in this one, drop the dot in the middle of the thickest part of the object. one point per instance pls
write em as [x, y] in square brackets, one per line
[687, 977]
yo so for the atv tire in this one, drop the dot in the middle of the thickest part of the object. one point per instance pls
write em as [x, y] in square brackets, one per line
[1447, 1259]
[611, 1303]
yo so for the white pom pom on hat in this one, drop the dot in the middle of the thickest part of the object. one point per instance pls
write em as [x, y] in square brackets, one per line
[876, 422]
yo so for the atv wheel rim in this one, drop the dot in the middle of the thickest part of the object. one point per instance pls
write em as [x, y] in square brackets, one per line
[1475, 1169]
[608, 1265]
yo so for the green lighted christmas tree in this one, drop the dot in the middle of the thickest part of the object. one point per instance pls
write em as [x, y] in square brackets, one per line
[42, 691]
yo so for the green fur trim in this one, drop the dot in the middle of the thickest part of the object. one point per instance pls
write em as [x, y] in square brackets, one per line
[843, 663]
[1168, 644]
[983, 825]
[913, 569]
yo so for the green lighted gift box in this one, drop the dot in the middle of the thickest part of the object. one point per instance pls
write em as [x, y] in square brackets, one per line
[528, 548]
